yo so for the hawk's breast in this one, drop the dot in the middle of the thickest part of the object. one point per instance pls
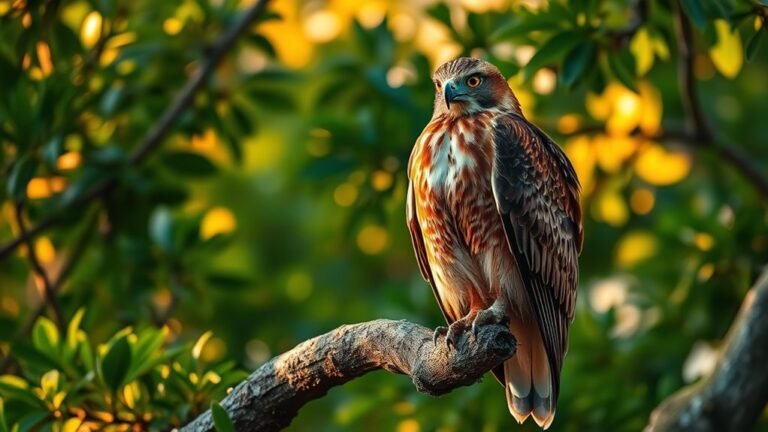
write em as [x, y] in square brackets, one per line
[451, 170]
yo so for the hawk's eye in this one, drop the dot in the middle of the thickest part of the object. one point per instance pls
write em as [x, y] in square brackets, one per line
[474, 81]
[438, 85]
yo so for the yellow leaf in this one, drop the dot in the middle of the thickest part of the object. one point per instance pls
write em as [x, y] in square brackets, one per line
[218, 220]
[90, 32]
[660, 167]
[72, 425]
[642, 49]
[660, 47]
[582, 155]
[14, 381]
[612, 152]
[611, 208]
[635, 247]
[44, 250]
[727, 54]
[650, 114]
[626, 109]
[198, 348]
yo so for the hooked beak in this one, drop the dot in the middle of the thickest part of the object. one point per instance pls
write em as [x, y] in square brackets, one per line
[449, 93]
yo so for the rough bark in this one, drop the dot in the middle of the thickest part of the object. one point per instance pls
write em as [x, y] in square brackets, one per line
[272, 396]
[734, 396]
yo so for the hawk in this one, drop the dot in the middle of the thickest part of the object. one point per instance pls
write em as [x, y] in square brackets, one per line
[494, 216]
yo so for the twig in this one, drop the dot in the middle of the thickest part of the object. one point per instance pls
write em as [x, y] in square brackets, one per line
[272, 396]
[49, 296]
[156, 135]
[734, 396]
[66, 269]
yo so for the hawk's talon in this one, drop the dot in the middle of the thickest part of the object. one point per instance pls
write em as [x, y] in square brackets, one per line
[439, 331]
[493, 315]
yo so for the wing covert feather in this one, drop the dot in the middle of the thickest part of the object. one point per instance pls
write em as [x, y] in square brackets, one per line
[537, 196]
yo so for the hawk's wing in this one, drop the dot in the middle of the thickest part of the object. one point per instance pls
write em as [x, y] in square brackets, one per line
[537, 196]
[418, 246]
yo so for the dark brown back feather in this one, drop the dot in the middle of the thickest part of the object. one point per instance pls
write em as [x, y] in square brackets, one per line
[537, 196]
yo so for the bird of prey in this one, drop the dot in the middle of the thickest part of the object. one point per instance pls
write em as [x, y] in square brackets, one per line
[494, 216]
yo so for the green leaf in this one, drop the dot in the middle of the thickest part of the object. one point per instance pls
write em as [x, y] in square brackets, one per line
[754, 44]
[116, 364]
[72, 330]
[74, 326]
[13, 387]
[228, 280]
[622, 71]
[32, 358]
[21, 173]
[262, 43]
[696, 12]
[576, 62]
[145, 353]
[221, 419]
[189, 164]
[441, 12]
[524, 25]
[551, 50]
[45, 337]
[3, 424]
[275, 99]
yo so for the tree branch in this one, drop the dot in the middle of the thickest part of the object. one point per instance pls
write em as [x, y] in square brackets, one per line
[155, 137]
[699, 130]
[272, 396]
[49, 294]
[734, 396]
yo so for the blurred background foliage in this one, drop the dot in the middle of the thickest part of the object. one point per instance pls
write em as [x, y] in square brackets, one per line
[273, 211]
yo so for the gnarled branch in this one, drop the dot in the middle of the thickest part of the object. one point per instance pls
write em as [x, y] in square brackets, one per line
[272, 396]
[732, 398]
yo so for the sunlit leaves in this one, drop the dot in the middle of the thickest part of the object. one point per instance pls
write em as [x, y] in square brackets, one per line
[635, 247]
[90, 32]
[660, 167]
[139, 377]
[727, 54]
[642, 48]
[218, 220]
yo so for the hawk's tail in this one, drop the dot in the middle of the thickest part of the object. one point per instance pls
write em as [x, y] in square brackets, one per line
[527, 379]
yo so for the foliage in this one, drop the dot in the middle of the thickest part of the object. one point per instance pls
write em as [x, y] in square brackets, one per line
[132, 379]
[273, 211]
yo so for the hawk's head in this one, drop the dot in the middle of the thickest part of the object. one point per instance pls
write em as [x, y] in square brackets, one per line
[467, 86]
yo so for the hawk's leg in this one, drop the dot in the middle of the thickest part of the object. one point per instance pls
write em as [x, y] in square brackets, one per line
[496, 314]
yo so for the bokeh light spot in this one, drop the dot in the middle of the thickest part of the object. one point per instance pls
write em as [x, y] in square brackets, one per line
[635, 247]
[345, 194]
[298, 286]
[381, 180]
[372, 239]
[642, 201]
